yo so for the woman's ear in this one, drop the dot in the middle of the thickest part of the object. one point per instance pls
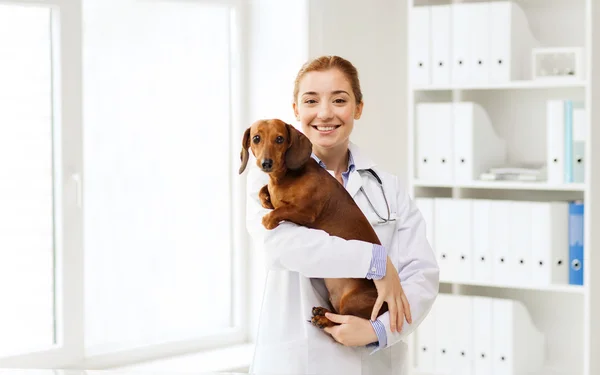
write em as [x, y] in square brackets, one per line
[299, 149]
[244, 155]
[358, 112]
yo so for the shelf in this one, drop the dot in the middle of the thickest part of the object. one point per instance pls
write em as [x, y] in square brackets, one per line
[575, 289]
[519, 85]
[506, 185]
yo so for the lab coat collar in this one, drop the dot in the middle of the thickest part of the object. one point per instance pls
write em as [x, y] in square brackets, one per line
[361, 162]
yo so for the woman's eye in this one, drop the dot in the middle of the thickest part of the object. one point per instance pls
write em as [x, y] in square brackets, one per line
[339, 101]
[279, 139]
[256, 139]
[310, 101]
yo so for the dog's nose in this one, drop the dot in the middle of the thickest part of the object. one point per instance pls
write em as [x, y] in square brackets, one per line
[267, 163]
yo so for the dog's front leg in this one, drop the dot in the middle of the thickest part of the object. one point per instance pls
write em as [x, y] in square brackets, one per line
[288, 213]
[265, 197]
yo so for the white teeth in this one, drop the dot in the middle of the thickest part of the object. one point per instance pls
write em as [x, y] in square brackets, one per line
[325, 128]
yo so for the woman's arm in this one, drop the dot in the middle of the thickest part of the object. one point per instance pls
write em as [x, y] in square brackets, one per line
[418, 271]
[311, 252]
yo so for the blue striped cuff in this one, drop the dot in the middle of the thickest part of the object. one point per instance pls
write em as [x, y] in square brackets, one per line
[378, 263]
[380, 332]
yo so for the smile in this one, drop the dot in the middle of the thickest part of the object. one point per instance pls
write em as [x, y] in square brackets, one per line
[326, 128]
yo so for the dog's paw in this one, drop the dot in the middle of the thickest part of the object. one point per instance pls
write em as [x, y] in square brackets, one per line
[320, 321]
[269, 223]
[319, 311]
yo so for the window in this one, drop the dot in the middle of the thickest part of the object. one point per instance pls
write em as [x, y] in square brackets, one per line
[28, 211]
[157, 156]
[138, 253]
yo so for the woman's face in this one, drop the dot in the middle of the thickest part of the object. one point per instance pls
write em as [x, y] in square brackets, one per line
[326, 108]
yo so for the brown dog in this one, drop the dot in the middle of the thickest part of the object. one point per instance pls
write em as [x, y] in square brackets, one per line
[302, 192]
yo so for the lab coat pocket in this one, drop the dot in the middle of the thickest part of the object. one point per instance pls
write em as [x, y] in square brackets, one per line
[281, 358]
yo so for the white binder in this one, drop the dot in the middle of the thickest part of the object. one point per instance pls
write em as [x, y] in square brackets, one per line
[482, 251]
[426, 124]
[444, 145]
[477, 147]
[453, 238]
[550, 243]
[461, 48]
[499, 241]
[482, 335]
[425, 205]
[517, 346]
[511, 42]
[519, 252]
[443, 216]
[462, 325]
[444, 334]
[479, 38]
[425, 343]
[420, 38]
[555, 141]
[440, 44]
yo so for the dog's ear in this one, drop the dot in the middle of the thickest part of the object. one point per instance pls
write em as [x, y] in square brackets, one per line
[299, 150]
[244, 155]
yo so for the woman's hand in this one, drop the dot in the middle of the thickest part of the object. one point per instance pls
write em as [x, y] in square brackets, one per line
[352, 331]
[389, 290]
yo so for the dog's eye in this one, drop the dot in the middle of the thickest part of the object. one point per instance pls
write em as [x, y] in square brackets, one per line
[256, 139]
[279, 139]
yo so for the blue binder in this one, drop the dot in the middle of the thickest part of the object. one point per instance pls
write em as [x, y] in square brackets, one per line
[576, 243]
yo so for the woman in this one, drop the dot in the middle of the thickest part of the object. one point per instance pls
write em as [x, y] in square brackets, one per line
[327, 100]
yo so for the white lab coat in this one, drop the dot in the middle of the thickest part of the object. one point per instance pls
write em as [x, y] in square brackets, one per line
[298, 258]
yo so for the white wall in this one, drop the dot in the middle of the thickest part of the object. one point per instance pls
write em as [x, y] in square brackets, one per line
[372, 35]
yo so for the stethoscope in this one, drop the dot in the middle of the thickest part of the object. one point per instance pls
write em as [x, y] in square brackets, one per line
[382, 220]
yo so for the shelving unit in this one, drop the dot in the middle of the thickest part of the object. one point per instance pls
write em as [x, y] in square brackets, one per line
[566, 314]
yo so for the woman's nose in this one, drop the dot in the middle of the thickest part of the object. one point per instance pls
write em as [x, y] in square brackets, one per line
[325, 112]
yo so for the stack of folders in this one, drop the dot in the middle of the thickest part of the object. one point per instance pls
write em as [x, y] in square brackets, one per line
[469, 43]
[468, 335]
[502, 242]
[566, 127]
[455, 142]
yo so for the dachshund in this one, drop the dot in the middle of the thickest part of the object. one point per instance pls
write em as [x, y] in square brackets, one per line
[302, 192]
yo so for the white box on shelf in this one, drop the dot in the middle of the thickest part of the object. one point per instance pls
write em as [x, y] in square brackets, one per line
[560, 63]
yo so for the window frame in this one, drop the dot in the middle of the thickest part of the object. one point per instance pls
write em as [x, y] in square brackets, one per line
[67, 69]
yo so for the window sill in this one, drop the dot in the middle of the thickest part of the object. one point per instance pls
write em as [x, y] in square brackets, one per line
[235, 358]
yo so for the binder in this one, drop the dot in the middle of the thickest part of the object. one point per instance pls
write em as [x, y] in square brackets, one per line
[482, 254]
[453, 238]
[519, 253]
[511, 42]
[462, 325]
[499, 241]
[444, 334]
[420, 63]
[568, 150]
[479, 38]
[477, 147]
[482, 335]
[578, 143]
[426, 124]
[517, 346]
[425, 343]
[555, 141]
[444, 145]
[461, 48]
[549, 243]
[576, 238]
[440, 44]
